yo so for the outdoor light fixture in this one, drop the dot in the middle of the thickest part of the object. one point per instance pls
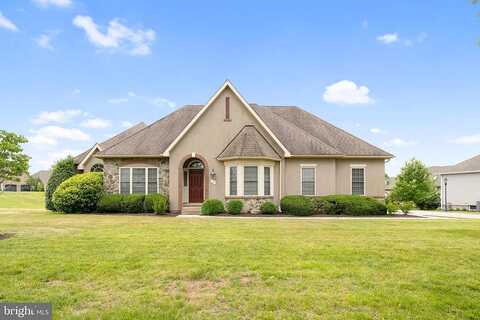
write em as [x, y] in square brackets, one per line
[213, 175]
[445, 181]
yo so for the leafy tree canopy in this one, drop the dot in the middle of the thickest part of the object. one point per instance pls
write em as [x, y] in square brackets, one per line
[61, 171]
[13, 162]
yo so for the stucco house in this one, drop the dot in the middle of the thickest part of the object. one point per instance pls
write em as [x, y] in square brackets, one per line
[460, 184]
[18, 185]
[231, 149]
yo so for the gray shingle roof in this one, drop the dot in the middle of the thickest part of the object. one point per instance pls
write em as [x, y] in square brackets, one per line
[302, 133]
[112, 141]
[472, 164]
[155, 138]
[248, 143]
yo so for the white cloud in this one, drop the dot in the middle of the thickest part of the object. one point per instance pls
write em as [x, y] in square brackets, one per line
[60, 116]
[127, 124]
[377, 130]
[388, 38]
[5, 23]
[45, 40]
[96, 123]
[118, 37]
[47, 159]
[50, 135]
[132, 94]
[467, 140]
[397, 142]
[117, 100]
[347, 92]
[55, 3]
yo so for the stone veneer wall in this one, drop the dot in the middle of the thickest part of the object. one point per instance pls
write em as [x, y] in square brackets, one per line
[112, 166]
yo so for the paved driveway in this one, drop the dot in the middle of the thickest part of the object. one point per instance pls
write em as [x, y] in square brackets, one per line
[443, 214]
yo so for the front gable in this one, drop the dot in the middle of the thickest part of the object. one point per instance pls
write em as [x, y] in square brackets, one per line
[228, 112]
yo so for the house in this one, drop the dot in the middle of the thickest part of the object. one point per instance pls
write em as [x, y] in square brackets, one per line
[231, 149]
[19, 185]
[43, 175]
[389, 184]
[460, 184]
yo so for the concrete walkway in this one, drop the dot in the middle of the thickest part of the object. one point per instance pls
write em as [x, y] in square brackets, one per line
[443, 214]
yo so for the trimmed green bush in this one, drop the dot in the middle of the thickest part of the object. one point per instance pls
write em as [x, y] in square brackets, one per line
[406, 206]
[156, 203]
[79, 193]
[212, 207]
[234, 206]
[354, 205]
[133, 203]
[269, 207]
[61, 171]
[322, 206]
[392, 207]
[297, 205]
[110, 203]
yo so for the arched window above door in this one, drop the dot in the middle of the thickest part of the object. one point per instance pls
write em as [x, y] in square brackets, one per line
[195, 164]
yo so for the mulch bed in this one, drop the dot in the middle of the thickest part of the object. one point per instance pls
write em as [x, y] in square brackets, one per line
[5, 236]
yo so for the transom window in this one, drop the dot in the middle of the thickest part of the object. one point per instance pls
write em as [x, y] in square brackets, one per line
[97, 167]
[138, 180]
[195, 164]
[358, 181]
[308, 181]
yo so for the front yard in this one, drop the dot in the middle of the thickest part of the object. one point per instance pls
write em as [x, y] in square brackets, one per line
[140, 267]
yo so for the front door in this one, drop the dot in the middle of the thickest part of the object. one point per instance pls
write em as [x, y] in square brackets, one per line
[195, 186]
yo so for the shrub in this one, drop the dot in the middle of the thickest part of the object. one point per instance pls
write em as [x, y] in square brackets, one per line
[156, 203]
[79, 193]
[110, 203]
[322, 206]
[234, 206]
[133, 203]
[212, 207]
[406, 206]
[61, 171]
[297, 205]
[392, 207]
[430, 201]
[354, 205]
[268, 207]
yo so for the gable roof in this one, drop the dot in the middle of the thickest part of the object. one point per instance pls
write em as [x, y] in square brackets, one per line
[154, 139]
[43, 175]
[297, 132]
[248, 143]
[469, 165]
[109, 142]
[227, 84]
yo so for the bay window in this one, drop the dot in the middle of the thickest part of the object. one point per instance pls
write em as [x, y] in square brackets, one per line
[250, 180]
[266, 181]
[233, 181]
[138, 180]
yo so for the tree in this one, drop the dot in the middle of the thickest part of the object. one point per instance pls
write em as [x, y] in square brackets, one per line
[61, 171]
[35, 184]
[415, 183]
[13, 162]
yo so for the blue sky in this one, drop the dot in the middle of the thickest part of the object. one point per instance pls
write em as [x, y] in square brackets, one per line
[404, 75]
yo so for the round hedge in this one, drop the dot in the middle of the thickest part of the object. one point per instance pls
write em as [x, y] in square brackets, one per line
[297, 205]
[269, 208]
[234, 206]
[212, 207]
[79, 193]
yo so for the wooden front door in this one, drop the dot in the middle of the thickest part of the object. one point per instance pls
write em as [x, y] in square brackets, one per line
[195, 186]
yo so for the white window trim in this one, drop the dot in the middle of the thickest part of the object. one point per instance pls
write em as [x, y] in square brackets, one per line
[240, 178]
[310, 166]
[131, 177]
[359, 166]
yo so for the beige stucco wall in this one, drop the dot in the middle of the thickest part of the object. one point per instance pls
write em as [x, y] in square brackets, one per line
[333, 176]
[208, 137]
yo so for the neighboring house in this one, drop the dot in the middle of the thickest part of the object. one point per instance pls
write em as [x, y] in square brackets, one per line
[43, 175]
[16, 186]
[389, 183]
[87, 160]
[436, 171]
[460, 184]
[230, 149]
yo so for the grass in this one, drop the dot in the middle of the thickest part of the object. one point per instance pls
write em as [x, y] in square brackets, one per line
[22, 200]
[140, 267]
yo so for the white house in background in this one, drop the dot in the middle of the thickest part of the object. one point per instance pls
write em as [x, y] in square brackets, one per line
[460, 185]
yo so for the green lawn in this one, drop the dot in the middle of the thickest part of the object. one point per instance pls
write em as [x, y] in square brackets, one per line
[22, 200]
[140, 267]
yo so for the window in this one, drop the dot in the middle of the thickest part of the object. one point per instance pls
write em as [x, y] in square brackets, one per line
[138, 180]
[250, 181]
[233, 181]
[125, 180]
[266, 181]
[358, 181]
[308, 181]
[227, 109]
[97, 167]
[152, 180]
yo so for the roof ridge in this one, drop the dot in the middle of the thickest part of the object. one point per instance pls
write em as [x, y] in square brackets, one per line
[149, 126]
[140, 123]
[306, 132]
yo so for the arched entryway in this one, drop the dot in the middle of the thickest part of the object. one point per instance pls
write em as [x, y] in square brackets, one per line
[194, 181]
